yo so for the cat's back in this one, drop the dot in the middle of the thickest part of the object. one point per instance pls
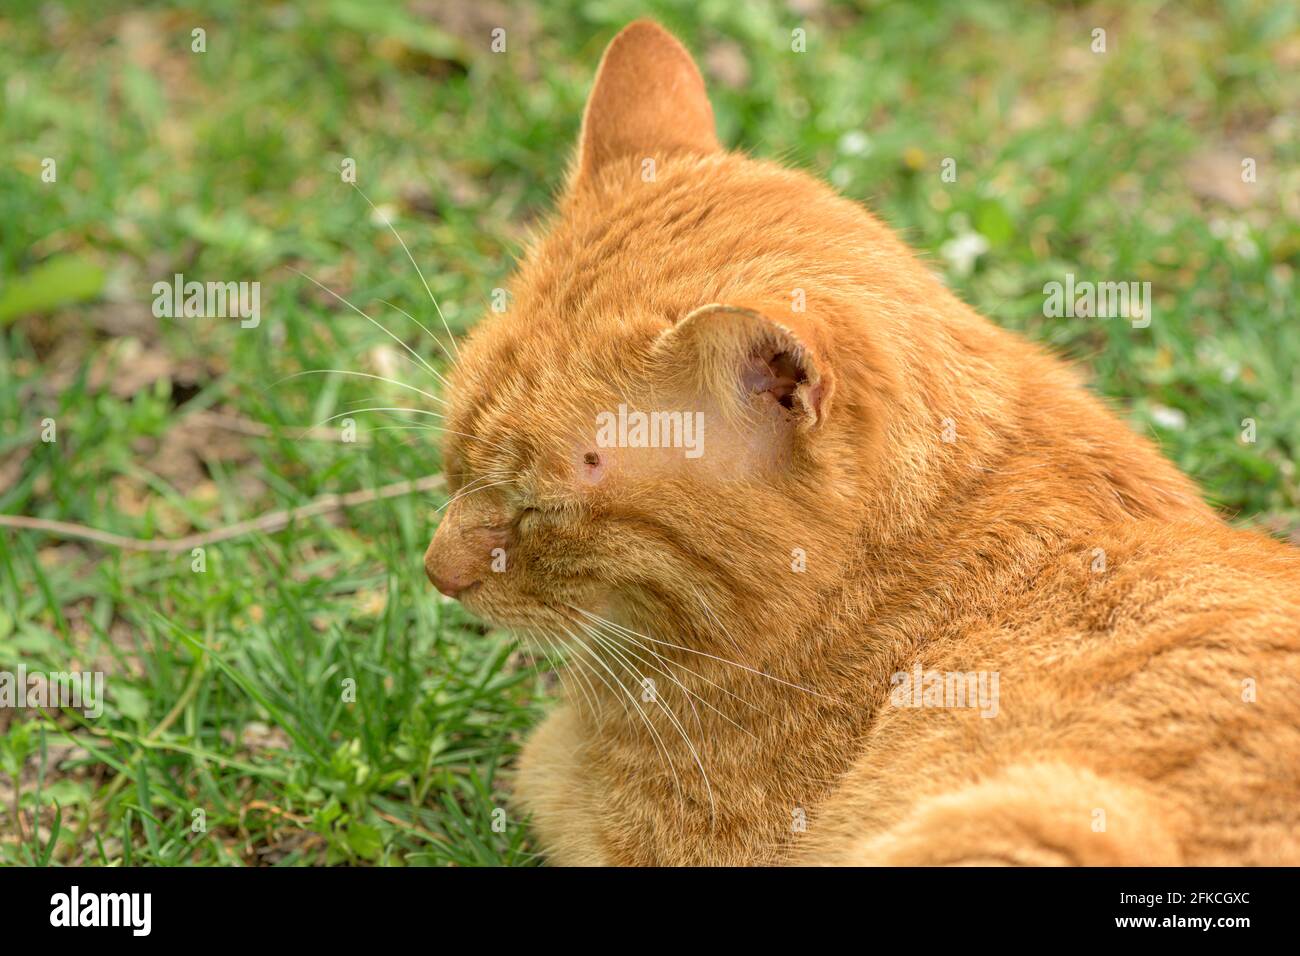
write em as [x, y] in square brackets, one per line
[1154, 658]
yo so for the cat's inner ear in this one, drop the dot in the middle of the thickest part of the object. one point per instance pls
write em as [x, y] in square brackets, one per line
[775, 372]
[648, 99]
[752, 359]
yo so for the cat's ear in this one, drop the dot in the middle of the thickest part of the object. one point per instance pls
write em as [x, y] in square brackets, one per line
[648, 98]
[750, 357]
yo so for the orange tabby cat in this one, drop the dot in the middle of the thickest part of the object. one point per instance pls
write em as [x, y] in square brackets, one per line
[893, 587]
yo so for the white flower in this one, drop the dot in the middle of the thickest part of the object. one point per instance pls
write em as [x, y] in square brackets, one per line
[855, 143]
[962, 250]
[1170, 418]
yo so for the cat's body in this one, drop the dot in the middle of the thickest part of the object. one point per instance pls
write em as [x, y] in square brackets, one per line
[1120, 693]
[890, 486]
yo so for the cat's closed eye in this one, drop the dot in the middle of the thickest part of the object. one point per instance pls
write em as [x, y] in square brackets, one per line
[537, 517]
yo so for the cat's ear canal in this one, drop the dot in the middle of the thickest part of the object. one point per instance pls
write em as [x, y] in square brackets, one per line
[648, 100]
[752, 358]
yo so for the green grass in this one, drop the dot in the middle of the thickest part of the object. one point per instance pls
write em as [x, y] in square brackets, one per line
[226, 688]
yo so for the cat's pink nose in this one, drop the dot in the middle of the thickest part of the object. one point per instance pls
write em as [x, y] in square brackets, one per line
[460, 555]
[451, 583]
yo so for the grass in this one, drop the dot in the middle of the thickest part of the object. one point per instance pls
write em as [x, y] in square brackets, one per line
[304, 698]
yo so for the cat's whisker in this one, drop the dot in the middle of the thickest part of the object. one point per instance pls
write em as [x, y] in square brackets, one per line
[357, 411]
[496, 475]
[465, 489]
[420, 411]
[587, 658]
[657, 699]
[379, 325]
[639, 679]
[465, 494]
[393, 229]
[660, 658]
[604, 641]
[565, 653]
[723, 660]
[535, 647]
[421, 325]
[426, 428]
[663, 748]
[579, 661]
[344, 371]
[696, 674]
[635, 637]
[562, 668]
[576, 670]
[716, 620]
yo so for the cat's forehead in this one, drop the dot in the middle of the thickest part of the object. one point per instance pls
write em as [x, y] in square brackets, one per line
[619, 266]
[527, 397]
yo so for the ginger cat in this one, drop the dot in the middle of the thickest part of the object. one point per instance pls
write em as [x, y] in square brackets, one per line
[917, 597]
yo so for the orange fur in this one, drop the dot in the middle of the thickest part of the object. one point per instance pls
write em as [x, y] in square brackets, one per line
[950, 487]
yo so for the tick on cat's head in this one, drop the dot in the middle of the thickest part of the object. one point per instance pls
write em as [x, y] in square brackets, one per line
[656, 423]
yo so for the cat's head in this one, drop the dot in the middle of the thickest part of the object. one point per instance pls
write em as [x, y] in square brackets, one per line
[689, 297]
